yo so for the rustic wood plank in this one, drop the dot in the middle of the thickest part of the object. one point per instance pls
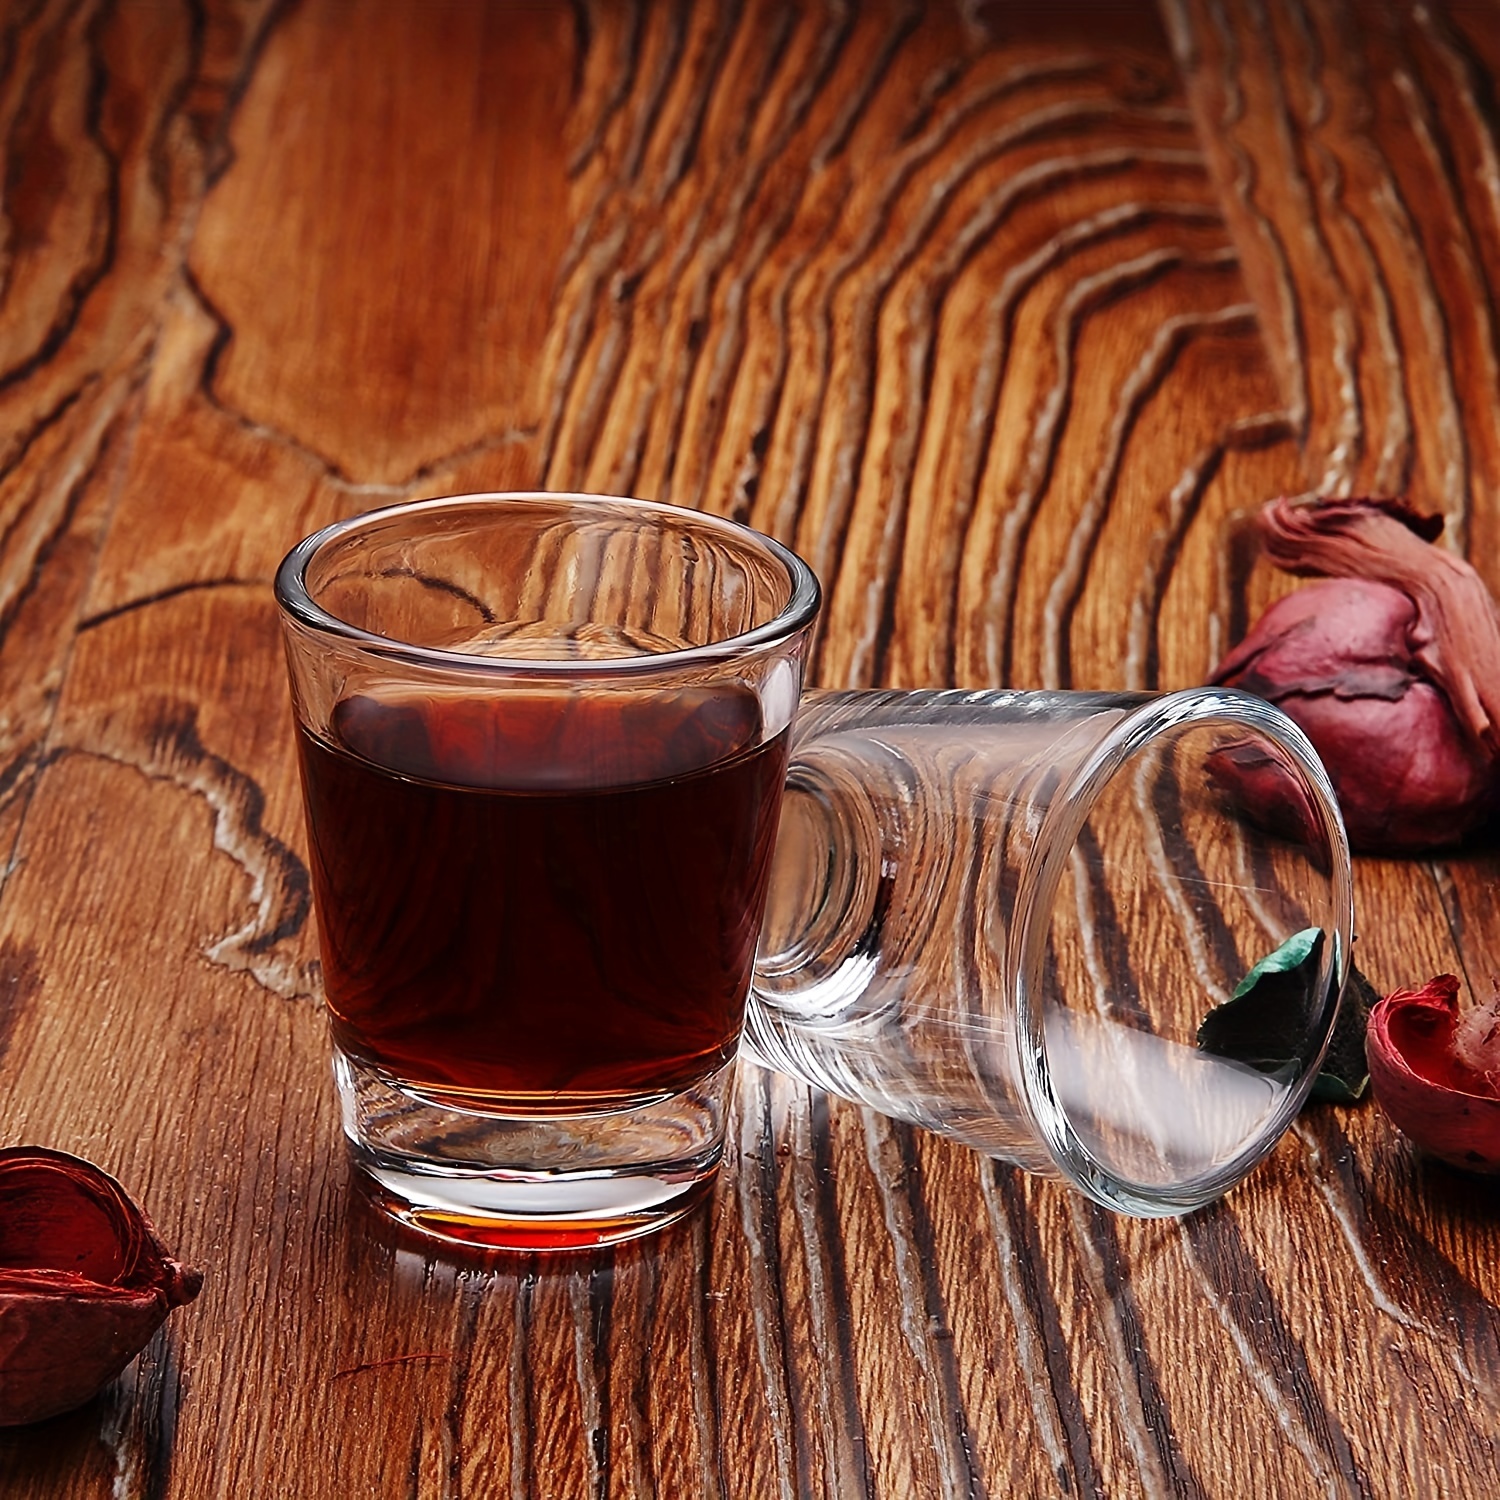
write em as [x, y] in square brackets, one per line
[95, 203]
[1355, 148]
[413, 293]
[1008, 320]
[1353, 145]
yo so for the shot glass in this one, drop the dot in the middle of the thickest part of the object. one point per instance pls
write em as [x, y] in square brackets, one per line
[543, 740]
[1100, 935]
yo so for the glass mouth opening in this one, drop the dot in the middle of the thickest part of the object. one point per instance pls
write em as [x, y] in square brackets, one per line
[1181, 951]
[547, 583]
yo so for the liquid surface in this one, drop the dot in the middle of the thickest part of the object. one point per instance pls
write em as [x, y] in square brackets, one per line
[544, 904]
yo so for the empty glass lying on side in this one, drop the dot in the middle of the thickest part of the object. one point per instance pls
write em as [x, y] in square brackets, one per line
[1009, 916]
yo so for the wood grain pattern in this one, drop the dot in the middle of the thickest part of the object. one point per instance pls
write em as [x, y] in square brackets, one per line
[1006, 317]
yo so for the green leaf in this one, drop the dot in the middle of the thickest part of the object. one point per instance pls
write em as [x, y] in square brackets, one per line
[1297, 956]
[1265, 1023]
[1345, 1074]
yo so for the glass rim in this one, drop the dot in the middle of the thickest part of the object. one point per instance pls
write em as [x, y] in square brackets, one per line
[297, 604]
[1167, 713]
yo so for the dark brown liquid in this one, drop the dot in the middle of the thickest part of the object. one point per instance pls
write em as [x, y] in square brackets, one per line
[545, 902]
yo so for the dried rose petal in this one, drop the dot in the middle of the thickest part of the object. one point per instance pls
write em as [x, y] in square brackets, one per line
[84, 1282]
[1436, 1072]
[1391, 667]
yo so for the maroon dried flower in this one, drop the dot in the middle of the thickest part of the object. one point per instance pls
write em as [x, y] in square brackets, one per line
[1436, 1071]
[84, 1282]
[1391, 666]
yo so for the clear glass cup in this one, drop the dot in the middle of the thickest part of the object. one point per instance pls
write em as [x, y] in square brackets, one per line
[1007, 916]
[543, 740]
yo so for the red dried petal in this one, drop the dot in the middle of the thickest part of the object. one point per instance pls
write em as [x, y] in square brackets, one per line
[1392, 668]
[1439, 1093]
[57, 1352]
[1456, 633]
[84, 1282]
[1341, 636]
[56, 1211]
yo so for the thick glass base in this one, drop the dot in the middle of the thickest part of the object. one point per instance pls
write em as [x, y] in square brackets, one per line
[529, 1181]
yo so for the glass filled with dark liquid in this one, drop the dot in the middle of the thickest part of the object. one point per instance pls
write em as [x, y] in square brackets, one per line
[543, 740]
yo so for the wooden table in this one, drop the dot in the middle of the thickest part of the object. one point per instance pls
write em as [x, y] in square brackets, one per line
[1008, 317]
